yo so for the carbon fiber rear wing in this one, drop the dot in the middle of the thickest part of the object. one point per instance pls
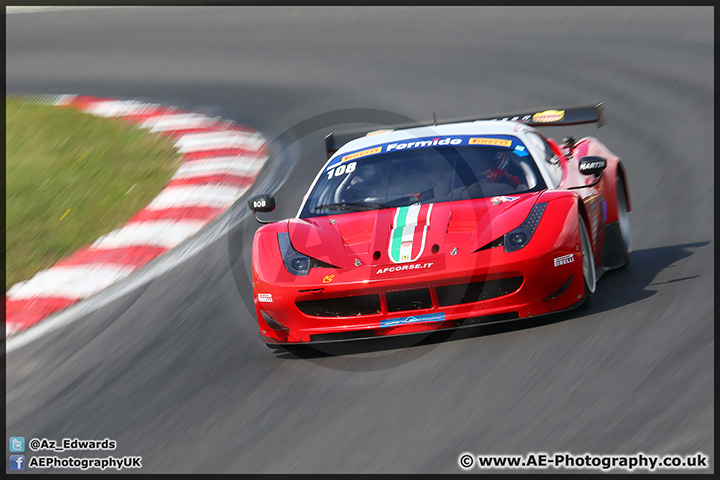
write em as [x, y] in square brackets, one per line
[544, 118]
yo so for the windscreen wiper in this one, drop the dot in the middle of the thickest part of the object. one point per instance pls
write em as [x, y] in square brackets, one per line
[350, 206]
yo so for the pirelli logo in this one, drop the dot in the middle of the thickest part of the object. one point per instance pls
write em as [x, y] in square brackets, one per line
[496, 142]
[364, 153]
[564, 259]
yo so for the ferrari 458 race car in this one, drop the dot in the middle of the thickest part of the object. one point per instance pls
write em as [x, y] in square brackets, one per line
[442, 226]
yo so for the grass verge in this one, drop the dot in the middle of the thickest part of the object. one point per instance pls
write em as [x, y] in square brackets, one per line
[71, 177]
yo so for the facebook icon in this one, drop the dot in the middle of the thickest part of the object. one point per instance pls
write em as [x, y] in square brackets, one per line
[17, 462]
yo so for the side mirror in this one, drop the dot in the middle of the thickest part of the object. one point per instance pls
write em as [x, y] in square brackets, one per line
[261, 203]
[592, 165]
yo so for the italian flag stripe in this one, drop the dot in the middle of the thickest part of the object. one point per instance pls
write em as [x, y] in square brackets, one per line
[407, 239]
[396, 233]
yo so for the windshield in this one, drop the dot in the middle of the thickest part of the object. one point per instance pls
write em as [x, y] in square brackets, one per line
[394, 175]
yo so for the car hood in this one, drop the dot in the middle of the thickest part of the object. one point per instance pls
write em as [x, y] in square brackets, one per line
[408, 234]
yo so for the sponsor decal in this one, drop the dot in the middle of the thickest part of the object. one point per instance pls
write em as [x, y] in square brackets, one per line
[497, 142]
[376, 132]
[570, 258]
[265, 297]
[549, 116]
[520, 151]
[430, 317]
[505, 141]
[364, 153]
[424, 142]
[501, 199]
[328, 278]
[402, 268]
[408, 233]
[591, 165]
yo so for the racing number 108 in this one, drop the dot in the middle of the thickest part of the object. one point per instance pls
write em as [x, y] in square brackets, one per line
[341, 169]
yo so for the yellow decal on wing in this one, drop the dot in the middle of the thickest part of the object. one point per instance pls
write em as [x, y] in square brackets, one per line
[549, 116]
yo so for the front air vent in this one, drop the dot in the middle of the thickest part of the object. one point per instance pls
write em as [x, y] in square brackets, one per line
[495, 243]
[408, 300]
[476, 291]
[341, 306]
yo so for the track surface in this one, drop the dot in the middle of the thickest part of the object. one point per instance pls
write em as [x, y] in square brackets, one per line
[176, 372]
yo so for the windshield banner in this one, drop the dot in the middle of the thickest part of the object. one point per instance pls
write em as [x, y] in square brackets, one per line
[503, 141]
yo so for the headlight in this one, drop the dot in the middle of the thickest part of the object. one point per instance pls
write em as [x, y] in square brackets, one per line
[518, 238]
[295, 262]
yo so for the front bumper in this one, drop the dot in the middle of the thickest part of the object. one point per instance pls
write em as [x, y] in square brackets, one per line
[484, 287]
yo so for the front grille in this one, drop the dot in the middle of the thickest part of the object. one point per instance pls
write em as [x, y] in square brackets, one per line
[476, 291]
[408, 300]
[341, 307]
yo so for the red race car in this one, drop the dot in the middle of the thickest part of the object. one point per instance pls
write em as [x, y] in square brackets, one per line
[442, 226]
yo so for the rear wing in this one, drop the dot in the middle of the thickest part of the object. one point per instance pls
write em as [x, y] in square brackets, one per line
[544, 118]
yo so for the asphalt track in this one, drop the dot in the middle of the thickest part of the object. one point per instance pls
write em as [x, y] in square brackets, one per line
[174, 371]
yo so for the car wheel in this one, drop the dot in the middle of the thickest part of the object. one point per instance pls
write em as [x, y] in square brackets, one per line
[624, 220]
[588, 263]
